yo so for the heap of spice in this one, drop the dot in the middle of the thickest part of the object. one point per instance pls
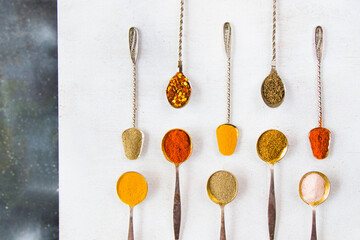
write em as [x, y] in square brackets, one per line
[177, 146]
[272, 146]
[312, 188]
[273, 90]
[320, 141]
[222, 187]
[178, 90]
[131, 188]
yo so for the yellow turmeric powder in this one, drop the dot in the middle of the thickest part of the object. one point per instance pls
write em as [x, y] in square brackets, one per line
[131, 188]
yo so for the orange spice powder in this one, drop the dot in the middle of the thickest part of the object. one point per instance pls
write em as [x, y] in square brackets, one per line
[177, 146]
[320, 140]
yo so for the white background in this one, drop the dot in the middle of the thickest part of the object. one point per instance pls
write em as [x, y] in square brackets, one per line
[95, 87]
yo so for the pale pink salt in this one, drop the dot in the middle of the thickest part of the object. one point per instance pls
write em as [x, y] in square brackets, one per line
[313, 188]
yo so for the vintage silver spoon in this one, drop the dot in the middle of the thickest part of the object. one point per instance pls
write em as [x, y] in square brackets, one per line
[133, 138]
[272, 88]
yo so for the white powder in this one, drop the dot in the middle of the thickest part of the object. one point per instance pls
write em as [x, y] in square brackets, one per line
[313, 188]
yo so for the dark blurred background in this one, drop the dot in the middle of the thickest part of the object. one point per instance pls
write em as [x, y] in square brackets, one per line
[28, 120]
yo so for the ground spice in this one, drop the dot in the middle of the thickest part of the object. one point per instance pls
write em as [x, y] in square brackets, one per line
[312, 188]
[178, 91]
[273, 90]
[320, 141]
[272, 146]
[132, 140]
[176, 146]
[222, 187]
[131, 188]
[227, 137]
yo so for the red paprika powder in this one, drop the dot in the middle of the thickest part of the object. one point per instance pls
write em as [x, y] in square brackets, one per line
[320, 141]
[176, 146]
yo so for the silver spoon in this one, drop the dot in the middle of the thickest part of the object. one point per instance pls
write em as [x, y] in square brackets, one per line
[227, 134]
[133, 138]
[272, 88]
[319, 137]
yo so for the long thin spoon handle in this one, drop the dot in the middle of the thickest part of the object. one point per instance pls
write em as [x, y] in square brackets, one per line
[134, 46]
[272, 206]
[273, 61]
[222, 230]
[313, 230]
[133, 43]
[319, 36]
[177, 205]
[131, 228]
[227, 41]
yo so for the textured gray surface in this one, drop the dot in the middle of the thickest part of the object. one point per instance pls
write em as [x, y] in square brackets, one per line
[28, 120]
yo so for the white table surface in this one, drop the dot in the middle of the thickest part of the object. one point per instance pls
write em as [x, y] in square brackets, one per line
[95, 84]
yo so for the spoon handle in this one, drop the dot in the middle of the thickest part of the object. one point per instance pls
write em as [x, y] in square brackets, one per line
[133, 43]
[222, 231]
[319, 36]
[313, 230]
[272, 206]
[227, 39]
[177, 206]
[131, 229]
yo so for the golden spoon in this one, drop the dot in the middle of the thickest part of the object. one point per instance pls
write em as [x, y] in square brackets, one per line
[319, 137]
[178, 90]
[133, 138]
[272, 88]
[227, 134]
[222, 189]
[271, 148]
[177, 147]
[314, 189]
[131, 193]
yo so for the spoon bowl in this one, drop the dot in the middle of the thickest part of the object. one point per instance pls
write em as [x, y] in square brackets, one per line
[227, 136]
[222, 187]
[131, 192]
[133, 140]
[273, 90]
[178, 90]
[325, 193]
[320, 139]
[176, 142]
[272, 146]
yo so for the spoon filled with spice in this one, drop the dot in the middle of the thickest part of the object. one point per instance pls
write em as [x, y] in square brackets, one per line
[177, 147]
[319, 137]
[227, 134]
[131, 189]
[178, 90]
[272, 88]
[271, 148]
[222, 189]
[133, 138]
[314, 189]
